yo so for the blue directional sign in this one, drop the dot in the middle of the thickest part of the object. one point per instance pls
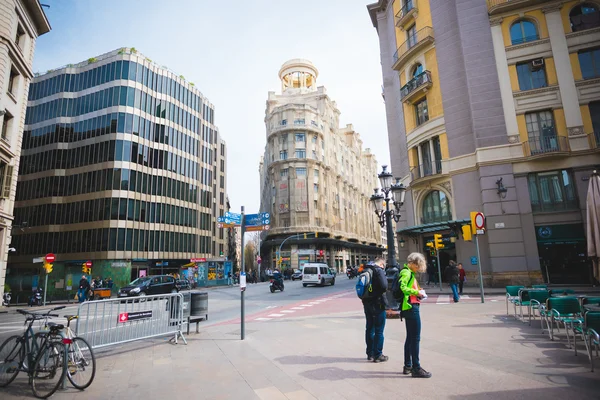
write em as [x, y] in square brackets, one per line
[257, 219]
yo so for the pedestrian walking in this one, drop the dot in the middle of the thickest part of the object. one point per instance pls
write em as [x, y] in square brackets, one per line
[84, 287]
[411, 302]
[374, 307]
[462, 278]
[453, 277]
[229, 280]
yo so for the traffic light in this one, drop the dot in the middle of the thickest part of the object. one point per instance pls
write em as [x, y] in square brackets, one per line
[305, 236]
[84, 268]
[473, 227]
[316, 234]
[47, 267]
[467, 234]
[437, 239]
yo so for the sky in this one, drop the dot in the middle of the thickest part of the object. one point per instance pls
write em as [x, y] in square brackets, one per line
[232, 51]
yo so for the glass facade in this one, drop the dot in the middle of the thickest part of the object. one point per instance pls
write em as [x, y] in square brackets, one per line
[128, 150]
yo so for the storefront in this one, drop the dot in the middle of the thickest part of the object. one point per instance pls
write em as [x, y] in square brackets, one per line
[562, 251]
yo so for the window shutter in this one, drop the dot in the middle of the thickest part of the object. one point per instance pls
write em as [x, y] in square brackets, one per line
[8, 173]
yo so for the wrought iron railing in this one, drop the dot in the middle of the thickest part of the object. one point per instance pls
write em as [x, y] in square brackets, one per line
[406, 8]
[546, 144]
[426, 169]
[412, 41]
[420, 80]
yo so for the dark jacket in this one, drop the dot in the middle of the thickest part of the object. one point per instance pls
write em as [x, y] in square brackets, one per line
[380, 286]
[452, 274]
[84, 284]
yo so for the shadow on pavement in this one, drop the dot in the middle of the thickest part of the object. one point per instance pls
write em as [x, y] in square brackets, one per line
[529, 394]
[296, 360]
[336, 374]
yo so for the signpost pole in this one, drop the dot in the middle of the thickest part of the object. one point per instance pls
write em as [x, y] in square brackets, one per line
[437, 254]
[243, 289]
[45, 289]
[480, 273]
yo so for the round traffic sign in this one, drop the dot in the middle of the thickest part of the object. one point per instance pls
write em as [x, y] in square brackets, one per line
[88, 264]
[479, 220]
[50, 257]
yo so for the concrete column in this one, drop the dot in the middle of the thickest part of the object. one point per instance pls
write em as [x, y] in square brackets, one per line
[331, 257]
[506, 94]
[432, 153]
[560, 51]
[420, 168]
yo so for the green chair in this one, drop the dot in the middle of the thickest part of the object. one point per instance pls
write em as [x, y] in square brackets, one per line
[563, 310]
[539, 286]
[537, 301]
[523, 300]
[590, 300]
[561, 292]
[591, 327]
[512, 295]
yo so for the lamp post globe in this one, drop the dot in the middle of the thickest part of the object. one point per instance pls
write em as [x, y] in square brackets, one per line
[385, 179]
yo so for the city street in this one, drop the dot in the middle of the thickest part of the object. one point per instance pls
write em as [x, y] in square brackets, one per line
[308, 343]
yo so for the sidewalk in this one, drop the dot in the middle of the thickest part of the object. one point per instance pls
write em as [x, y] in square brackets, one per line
[473, 350]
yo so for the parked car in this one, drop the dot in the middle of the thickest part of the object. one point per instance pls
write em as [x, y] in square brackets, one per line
[297, 275]
[150, 285]
[317, 274]
[183, 284]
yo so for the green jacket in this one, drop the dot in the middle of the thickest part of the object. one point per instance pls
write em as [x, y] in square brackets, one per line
[407, 278]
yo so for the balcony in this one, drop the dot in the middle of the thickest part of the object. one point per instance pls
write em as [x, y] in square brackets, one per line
[416, 87]
[407, 14]
[427, 169]
[546, 145]
[501, 6]
[416, 42]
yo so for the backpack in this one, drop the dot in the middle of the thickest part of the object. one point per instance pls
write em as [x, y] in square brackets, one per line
[364, 287]
[396, 291]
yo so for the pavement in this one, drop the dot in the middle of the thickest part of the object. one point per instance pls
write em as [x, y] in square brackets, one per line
[308, 343]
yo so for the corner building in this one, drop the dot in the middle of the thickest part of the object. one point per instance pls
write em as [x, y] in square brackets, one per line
[492, 107]
[21, 22]
[315, 178]
[121, 165]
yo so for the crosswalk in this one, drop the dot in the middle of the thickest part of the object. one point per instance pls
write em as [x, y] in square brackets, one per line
[298, 308]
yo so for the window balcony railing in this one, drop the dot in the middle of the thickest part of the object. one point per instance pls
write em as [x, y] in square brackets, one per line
[501, 6]
[417, 85]
[426, 169]
[406, 13]
[547, 144]
[415, 42]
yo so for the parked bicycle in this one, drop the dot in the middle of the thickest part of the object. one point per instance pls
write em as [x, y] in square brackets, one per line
[43, 360]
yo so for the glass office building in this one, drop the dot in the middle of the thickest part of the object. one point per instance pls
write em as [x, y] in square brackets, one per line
[122, 165]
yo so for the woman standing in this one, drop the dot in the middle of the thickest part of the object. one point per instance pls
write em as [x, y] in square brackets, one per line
[410, 313]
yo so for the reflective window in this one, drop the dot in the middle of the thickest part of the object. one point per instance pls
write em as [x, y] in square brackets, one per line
[436, 208]
[552, 191]
[589, 61]
[523, 31]
[584, 16]
[531, 74]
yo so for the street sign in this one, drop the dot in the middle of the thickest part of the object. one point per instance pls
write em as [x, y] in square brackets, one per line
[38, 260]
[473, 260]
[132, 316]
[257, 219]
[196, 260]
[257, 228]
[479, 221]
[242, 281]
[481, 231]
[50, 257]
[88, 264]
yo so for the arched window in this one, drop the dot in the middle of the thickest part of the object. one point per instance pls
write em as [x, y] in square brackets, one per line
[585, 16]
[523, 31]
[436, 208]
[417, 70]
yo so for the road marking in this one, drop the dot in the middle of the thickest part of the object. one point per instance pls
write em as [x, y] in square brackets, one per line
[297, 308]
[288, 311]
[276, 315]
[306, 305]
[263, 319]
[443, 299]
[270, 307]
[465, 296]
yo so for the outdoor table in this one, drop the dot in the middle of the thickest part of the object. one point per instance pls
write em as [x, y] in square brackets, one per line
[592, 307]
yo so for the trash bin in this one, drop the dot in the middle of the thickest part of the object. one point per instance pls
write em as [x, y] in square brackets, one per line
[187, 296]
[199, 305]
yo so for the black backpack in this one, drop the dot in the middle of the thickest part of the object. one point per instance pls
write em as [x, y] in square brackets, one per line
[396, 291]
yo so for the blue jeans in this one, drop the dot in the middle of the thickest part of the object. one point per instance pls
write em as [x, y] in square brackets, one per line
[374, 331]
[81, 295]
[454, 287]
[412, 319]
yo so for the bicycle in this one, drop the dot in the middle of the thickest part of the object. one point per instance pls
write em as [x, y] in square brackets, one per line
[81, 362]
[36, 355]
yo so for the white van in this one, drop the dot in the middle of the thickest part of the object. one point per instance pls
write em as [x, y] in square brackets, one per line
[317, 274]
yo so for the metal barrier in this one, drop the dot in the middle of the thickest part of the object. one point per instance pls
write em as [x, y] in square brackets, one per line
[109, 322]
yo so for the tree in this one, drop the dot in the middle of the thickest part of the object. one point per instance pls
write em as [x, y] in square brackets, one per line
[250, 256]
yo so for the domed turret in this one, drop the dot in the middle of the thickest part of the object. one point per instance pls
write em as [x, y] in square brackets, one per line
[298, 74]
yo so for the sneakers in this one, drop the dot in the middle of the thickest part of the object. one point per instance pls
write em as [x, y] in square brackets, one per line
[406, 370]
[420, 373]
[369, 358]
[381, 358]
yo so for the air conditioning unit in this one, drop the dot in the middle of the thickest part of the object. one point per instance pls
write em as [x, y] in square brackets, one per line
[538, 63]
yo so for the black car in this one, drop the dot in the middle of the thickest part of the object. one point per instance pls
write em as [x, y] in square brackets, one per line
[150, 285]
[297, 275]
[183, 284]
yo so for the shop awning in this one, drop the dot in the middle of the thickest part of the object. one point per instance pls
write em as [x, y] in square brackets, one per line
[433, 227]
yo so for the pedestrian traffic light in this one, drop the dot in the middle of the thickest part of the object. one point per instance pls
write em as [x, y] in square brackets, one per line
[437, 239]
[47, 267]
[467, 234]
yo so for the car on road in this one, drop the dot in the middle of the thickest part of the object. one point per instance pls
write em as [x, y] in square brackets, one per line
[297, 275]
[317, 274]
[183, 284]
[149, 285]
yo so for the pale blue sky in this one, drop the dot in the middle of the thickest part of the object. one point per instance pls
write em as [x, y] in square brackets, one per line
[232, 50]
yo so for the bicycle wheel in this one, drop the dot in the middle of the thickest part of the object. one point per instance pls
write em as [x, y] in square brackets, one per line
[11, 359]
[49, 370]
[81, 364]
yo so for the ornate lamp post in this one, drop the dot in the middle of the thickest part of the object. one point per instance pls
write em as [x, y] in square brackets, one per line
[390, 193]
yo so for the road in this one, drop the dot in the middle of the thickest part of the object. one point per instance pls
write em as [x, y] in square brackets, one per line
[223, 305]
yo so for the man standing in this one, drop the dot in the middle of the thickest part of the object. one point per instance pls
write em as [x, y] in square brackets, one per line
[374, 307]
[452, 275]
[462, 278]
[84, 287]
